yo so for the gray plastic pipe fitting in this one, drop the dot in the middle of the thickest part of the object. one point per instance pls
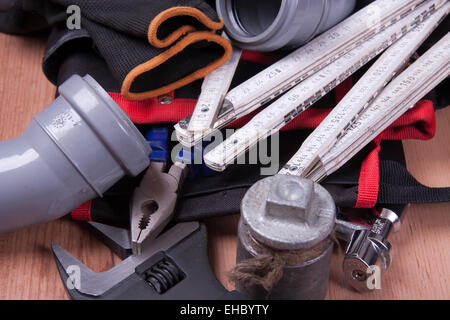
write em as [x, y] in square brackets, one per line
[71, 152]
[268, 25]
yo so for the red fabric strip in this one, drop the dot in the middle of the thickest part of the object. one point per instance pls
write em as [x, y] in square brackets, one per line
[417, 123]
[260, 57]
[369, 178]
[82, 212]
[151, 111]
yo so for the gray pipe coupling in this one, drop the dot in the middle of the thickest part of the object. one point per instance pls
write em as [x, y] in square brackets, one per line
[268, 25]
[71, 152]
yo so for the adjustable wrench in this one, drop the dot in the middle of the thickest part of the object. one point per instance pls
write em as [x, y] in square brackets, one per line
[174, 266]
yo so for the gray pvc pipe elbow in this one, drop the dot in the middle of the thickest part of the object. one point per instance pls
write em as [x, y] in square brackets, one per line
[269, 25]
[71, 152]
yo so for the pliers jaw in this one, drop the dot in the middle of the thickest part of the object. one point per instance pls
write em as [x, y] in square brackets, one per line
[142, 213]
[153, 203]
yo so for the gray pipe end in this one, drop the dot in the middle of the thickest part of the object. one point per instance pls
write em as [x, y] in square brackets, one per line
[110, 123]
[270, 25]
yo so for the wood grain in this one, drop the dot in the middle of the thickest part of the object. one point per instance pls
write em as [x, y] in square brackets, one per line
[27, 270]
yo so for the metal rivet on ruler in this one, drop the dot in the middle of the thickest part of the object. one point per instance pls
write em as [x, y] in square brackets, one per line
[165, 99]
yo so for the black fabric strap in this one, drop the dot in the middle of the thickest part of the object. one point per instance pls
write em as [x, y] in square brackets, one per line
[398, 186]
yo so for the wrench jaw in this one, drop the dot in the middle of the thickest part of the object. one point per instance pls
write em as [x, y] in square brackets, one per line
[72, 271]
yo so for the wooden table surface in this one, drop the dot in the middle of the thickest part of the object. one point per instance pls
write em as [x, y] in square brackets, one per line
[420, 268]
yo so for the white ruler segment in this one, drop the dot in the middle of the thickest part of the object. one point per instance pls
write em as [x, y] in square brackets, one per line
[290, 105]
[361, 95]
[213, 91]
[409, 102]
[398, 96]
[305, 61]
